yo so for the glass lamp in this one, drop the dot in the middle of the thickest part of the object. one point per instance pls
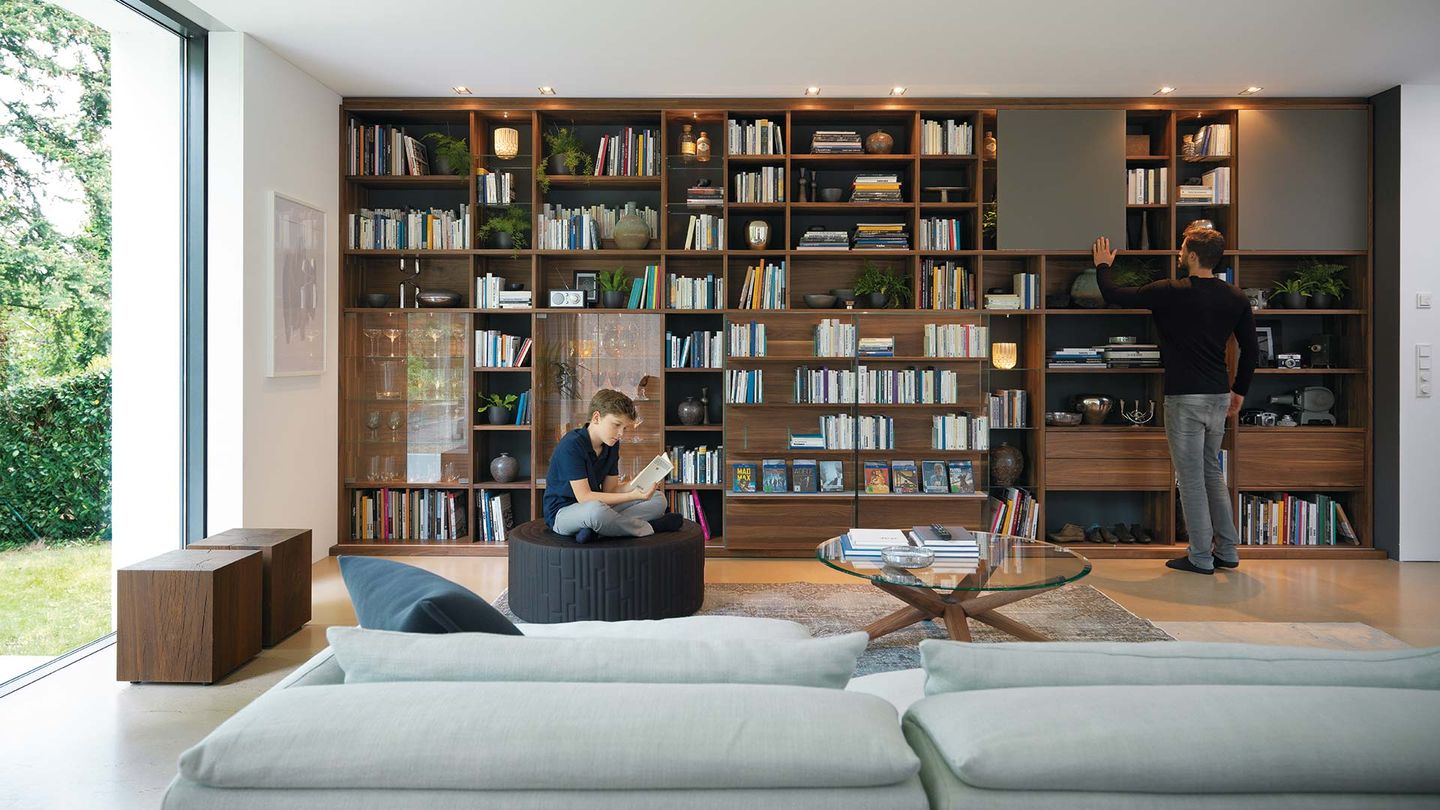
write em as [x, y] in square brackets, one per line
[507, 143]
[1003, 355]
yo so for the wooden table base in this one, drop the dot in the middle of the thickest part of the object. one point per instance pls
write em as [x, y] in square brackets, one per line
[954, 608]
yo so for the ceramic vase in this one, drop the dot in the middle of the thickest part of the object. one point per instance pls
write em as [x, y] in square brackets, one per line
[503, 468]
[631, 232]
[689, 411]
[1006, 463]
[1085, 290]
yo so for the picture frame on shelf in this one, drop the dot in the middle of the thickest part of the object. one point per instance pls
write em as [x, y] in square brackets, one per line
[1265, 337]
[589, 281]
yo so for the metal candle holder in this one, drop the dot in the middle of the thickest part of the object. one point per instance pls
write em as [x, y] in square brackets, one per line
[1134, 415]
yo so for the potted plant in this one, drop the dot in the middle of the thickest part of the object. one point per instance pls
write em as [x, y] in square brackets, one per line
[1291, 293]
[881, 287]
[451, 155]
[1323, 282]
[614, 285]
[506, 228]
[498, 407]
[1130, 271]
[989, 223]
[567, 155]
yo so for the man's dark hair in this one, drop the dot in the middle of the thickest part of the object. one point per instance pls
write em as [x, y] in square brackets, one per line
[1207, 244]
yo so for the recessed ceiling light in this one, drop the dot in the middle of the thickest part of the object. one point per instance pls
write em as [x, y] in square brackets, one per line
[1164, 91]
[812, 91]
[897, 91]
[461, 90]
[547, 91]
[1250, 91]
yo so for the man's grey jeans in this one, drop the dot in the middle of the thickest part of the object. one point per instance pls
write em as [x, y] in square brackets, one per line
[1195, 426]
[631, 519]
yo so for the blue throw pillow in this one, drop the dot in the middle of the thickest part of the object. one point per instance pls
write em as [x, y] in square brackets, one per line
[388, 595]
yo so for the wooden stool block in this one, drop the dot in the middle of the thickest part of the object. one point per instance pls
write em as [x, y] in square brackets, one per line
[286, 555]
[187, 616]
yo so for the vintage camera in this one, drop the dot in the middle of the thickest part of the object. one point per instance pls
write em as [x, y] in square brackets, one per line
[1255, 416]
[1288, 361]
[1320, 351]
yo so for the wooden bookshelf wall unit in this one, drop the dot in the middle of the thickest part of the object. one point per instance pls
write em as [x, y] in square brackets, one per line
[1286, 204]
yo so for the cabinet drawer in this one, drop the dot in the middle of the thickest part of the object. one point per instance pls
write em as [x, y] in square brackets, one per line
[1108, 473]
[1298, 458]
[1091, 443]
[899, 512]
[786, 523]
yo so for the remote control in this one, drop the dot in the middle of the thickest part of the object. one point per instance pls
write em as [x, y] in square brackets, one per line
[940, 531]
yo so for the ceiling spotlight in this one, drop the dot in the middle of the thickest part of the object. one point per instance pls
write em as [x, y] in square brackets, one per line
[461, 90]
[1250, 91]
[1164, 91]
[897, 91]
[547, 91]
[812, 91]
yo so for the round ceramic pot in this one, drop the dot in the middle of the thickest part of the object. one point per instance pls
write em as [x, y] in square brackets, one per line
[879, 143]
[690, 411]
[503, 468]
[498, 415]
[632, 232]
[1290, 300]
[1085, 290]
[1322, 301]
[1006, 463]
[557, 165]
[502, 239]
[757, 234]
[876, 300]
[612, 299]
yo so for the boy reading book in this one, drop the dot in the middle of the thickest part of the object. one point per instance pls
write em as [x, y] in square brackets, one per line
[583, 493]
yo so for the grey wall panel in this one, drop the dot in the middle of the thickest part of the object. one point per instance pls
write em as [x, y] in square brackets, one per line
[1302, 179]
[1061, 178]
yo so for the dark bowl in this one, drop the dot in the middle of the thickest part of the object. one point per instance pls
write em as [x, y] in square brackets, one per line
[438, 298]
[843, 294]
[819, 301]
[376, 300]
[831, 195]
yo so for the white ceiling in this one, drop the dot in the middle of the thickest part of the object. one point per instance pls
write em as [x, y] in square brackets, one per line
[741, 48]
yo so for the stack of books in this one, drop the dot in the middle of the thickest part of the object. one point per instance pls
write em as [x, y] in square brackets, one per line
[824, 240]
[705, 196]
[824, 385]
[705, 232]
[761, 137]
[881, 236]
[764, 186]
[876, 347]
[809, 441]
[946, 137]
[870, 188]
[1026, 295]
[959, 431]
[490, 293]
[942, 234]
[383, 150]
[1008, 407]
[1131, 355]
[522, 409]
[683, 292]
[945, 285]
[956, 340]
[407, 514]
[496, 189]
[495, 349]
[697, 350]
[1147, 186]
[836, 142]
[583, 228]
[765, 287]
[834, 338]
[1077, 357]
[1213, 189]
[747, 339]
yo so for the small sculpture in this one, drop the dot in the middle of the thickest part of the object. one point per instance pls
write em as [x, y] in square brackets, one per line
[1134, 415]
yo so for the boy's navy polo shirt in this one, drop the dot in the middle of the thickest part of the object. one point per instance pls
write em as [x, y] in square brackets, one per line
[575, 459]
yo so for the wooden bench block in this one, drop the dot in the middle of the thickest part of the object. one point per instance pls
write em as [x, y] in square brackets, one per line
[285, 554]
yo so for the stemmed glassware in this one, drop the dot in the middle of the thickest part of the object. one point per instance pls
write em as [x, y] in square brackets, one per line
[372, 421]
[374, 337]
[394, 335]
[395, 421]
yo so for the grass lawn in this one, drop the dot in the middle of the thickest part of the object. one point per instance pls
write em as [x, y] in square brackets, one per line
[53, 599]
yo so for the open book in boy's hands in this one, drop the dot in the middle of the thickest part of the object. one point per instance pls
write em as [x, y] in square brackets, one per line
[654, 473]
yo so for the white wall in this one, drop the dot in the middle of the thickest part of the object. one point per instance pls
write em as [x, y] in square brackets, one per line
[1419, 272]
[272, 440]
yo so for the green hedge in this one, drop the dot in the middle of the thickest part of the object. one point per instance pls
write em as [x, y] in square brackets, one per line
[55, 459]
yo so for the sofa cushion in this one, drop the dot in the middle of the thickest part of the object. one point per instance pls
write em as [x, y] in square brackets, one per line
[1187, 739]
[746, 627]
[554, 736]
[369, 656]
[388, 595]
[952, 666]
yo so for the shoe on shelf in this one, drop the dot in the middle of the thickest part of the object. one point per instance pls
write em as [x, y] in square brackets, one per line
[1122, 533]
[1184, 564]
[1107, 536]
[1219, 563]
[1069, 533]
[1143, 535]
[1092, 535]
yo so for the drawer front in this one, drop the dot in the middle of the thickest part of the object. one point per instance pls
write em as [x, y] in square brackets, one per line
[1090, 444]
[784, 523]
[901, 513]
[1297, 459]
[1108, 473]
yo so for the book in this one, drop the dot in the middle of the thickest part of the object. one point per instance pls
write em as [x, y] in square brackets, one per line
[906, 477]
[877, 478]
[832, 476]
[774, 475]
[934, 478]
[804, 476]
[654, 472]
[962, 477]
[744, 477]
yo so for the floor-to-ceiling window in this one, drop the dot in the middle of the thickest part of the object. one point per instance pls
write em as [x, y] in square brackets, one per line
[101, 269]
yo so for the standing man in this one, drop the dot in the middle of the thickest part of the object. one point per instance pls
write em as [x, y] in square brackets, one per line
[1195, 316]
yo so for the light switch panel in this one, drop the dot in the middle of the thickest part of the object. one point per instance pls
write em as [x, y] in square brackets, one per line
[1422, 370]
[1422, 300]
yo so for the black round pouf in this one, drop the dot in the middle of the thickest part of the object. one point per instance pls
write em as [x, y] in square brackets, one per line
[555, 579]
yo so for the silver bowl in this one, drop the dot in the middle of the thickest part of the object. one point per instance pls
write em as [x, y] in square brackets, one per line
[438, 298]
[907, 556]
[1094, 407]
[1062, 418]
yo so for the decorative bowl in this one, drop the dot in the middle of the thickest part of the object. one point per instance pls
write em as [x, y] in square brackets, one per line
[819, 301]
[376, 300]
[907, 556]
[1062, 418]
[831, 195]
[438, 298]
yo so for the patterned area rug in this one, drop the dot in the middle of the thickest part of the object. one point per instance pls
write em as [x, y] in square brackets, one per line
[1072, 613]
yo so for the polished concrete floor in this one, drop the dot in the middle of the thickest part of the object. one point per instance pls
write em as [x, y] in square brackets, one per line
[80, 739]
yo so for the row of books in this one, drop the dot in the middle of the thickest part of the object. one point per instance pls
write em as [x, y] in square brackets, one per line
[901, 477]
[956, 340]
[876, 188]
[744, 387]
[821, 239]
[884, 386]
[959, 431]
[522, 408]
[836, 142]
[497, 189]
[747, 339]
[495, 349]
[1213, 189]
[645, 290]
[490, 293]
[824, 385]
[948, 137]
[1015, 512]
[1294, 520]
[759, 137]
[407, 514]
[1213, 140]
[834, 338]
[874, 432]
[942, 234]
[631, 153]
[696, 350]
[705, 232]
[1008, 408]
[705, 196]
[583, 228]
[409, 229]
[495, 517]
[377, 149]
[686, 504]
[1026, 294]
[1147, 186]
[881, 236]
[764, 186]
[946, 285]
[685, 292]
[765, 287]
[699, 465]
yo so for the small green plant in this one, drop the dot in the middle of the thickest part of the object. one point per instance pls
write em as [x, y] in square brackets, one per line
[1292, 285]
[613, 280]
[514, 220]
[876, 279]
[454, 150]
[1321, 278]
[1130, 271]
[989, 221]
[506, 401]
[565, 144]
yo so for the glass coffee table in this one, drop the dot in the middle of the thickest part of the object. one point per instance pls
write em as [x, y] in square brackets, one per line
[1009, 569]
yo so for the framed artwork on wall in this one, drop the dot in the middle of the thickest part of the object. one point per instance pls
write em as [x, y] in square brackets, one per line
[297, 288]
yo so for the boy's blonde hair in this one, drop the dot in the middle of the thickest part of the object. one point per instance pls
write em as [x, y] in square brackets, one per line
[609, 401]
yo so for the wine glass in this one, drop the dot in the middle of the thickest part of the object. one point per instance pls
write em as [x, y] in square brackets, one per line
[435, 333]
[395, 421]
[373, 335]
[394, 334]
[373, 471]
[392, 468]
[457, 340]
[372, 421]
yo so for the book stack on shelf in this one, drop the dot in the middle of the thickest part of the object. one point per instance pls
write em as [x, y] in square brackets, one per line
[1211, 141]
[645, 291]
[957, 340]
[700, 465]
[1077, 357]
[1008, 407]
[836, 142]
[945, 285]
[684, 292]
[1014, 512]
[705, 232]
[876, 188]
[1212, 188]
[407, 514]
[876, 347]
[495, 349]
[631, 153]
[1025, 296]
[764, 186]
[1284, 519]
[760, 137]
[497, 189]
[959, 431]
[747, 339]
[818, 239]
[496, 516]
[948, 137]
[908, 386]
[562, 228]
[696, 350]
[881, 236]
[941, 234]
[1131, 355]
[744, 387]
[875, 432]
[834, 338]
[837, 432]
[686, 504]
[702, 195]
[765, 287]
[809, 441]
[824, 386]
[490, 293]
[409, 229]
[379, 150]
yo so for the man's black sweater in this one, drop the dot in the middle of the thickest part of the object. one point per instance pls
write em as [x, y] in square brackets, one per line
[1196, 317]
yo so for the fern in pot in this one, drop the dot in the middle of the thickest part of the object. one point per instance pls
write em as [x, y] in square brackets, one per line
[1323, 282]
[879, 287]
[449, 155]
[614, 285]
[567, 156]
[1291, 293]
[506, 228]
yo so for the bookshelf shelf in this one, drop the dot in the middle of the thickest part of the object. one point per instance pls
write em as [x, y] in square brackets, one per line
[410, 181]
[574, 181]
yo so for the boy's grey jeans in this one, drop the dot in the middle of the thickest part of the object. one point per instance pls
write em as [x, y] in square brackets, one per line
[1195, 426]
[630, 519]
